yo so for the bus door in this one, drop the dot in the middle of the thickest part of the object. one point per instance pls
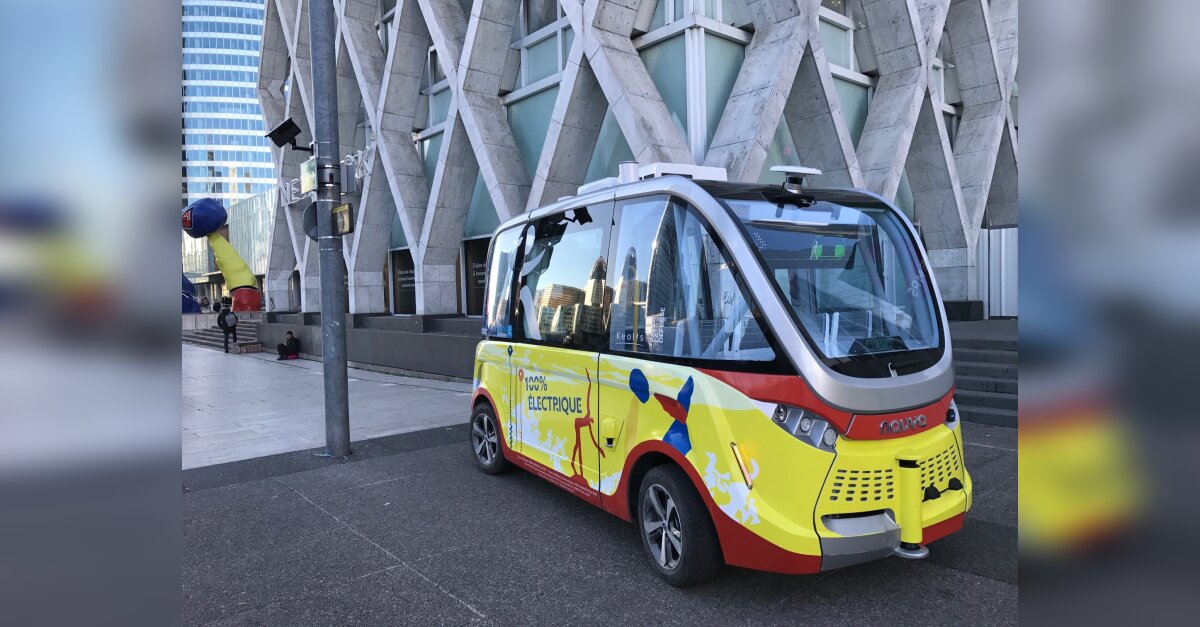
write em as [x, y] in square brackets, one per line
[676, 308]
[561, 305]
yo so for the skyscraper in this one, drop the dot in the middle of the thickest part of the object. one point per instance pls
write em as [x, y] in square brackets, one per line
[225, 155]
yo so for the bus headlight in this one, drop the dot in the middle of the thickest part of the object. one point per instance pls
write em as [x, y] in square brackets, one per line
[805, 426]
[952, 417]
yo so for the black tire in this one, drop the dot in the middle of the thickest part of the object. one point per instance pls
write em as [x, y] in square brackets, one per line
[695, 548]
[483, 434]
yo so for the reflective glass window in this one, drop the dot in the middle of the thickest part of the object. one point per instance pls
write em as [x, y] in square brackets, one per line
[665, 63]
[674, 294]
[530, 119]
[498, 313]
[611, 149]
[430, 149]
[722, 60]
[851, 276]
[539, 14]
[541, 60]
[439, 107]
[854, 99]
[564, 295]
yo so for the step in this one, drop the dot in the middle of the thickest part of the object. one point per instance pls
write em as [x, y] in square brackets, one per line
[981, 369]
[988, 356]
[204, 343]
[986, 384]
[984, 343]
[994, 400]
[218, 334]
[218, 337]
[988, 416]
[240, 347]
[249, 328]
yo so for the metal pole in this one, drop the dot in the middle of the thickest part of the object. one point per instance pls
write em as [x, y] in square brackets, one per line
[329, 193]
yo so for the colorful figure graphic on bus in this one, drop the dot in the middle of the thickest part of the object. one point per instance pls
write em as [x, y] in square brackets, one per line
[206, 218]
[584, 422]
[677, 408]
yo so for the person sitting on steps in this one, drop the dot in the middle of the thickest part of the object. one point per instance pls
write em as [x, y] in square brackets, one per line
[289, 349]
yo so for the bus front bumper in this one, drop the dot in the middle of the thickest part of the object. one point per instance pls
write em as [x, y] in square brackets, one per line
[876, 536]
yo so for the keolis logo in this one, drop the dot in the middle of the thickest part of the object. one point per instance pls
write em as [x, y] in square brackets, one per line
[902, 425]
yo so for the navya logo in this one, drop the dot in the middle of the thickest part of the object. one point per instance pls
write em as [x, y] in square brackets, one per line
[902, 425]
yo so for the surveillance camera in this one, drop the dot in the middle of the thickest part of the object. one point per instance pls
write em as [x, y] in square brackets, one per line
[285, 134]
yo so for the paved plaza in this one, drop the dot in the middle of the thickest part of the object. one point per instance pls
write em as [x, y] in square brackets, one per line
[412, 534]
[408, 531]
[244, 406]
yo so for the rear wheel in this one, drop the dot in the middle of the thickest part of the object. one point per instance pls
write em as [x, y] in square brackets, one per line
[676, 529]
[485, 440]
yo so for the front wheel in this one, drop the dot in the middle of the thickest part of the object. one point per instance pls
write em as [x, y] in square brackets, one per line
[485, 440]
[676, 529]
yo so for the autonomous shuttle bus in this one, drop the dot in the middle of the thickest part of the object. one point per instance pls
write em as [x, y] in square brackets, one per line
[754, 375]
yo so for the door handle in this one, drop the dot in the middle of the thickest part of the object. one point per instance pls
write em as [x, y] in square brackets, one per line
[608, 431]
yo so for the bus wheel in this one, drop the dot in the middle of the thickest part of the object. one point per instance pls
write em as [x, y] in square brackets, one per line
[676, 529]
[485, 440]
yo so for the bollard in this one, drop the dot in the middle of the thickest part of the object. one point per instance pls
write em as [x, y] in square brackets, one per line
[908, 515]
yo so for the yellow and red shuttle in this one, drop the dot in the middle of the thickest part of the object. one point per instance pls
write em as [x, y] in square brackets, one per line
[754, 375]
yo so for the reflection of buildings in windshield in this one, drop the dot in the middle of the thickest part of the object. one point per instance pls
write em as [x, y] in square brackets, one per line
[628, 312]
[564, 310]
[689, 302]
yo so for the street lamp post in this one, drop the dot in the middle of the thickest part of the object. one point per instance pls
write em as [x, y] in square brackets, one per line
[332, 264]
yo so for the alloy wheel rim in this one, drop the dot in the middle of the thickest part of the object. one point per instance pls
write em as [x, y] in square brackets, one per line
[484, 438]
[660, 526]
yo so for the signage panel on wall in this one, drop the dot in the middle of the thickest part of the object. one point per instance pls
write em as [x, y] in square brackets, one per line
[404, 283]
[475, 254]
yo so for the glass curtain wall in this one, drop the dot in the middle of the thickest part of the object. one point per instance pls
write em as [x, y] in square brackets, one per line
[225, 155]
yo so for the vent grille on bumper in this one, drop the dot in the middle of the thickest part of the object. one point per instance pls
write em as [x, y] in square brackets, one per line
[938, 470]
[862, 486]
[877, 485]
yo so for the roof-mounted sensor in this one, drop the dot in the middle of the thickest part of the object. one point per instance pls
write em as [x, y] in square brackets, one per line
[793, 176]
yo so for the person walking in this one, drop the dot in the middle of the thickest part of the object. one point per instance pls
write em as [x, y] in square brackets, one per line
[227, 321]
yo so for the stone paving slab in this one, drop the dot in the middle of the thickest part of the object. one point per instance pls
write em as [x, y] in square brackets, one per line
[407, 531]
[239, 407]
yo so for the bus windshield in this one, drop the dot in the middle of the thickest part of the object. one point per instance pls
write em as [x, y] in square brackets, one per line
[850, 276]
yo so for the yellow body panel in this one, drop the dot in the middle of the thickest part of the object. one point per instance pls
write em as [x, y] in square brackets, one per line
[784, 490]
[865, 477]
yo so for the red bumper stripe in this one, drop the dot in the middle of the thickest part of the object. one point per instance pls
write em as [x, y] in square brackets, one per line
[940, 530]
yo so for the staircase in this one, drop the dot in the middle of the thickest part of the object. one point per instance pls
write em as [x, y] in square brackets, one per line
[985, 368]
[212, 337]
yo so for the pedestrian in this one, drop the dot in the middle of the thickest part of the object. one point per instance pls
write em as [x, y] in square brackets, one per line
[289, 349]
[227, 320]
[204, 304]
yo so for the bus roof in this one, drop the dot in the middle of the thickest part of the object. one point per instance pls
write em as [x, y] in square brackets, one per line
[716, 189]
[758, 191]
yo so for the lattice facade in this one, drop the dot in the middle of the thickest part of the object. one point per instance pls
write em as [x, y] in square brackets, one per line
[931, 125]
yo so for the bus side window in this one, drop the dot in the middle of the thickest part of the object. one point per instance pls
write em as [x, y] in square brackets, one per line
[498, 310]
[563, 295]
[673, 292]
